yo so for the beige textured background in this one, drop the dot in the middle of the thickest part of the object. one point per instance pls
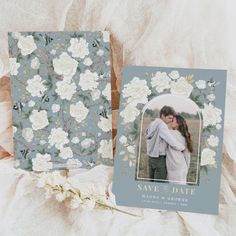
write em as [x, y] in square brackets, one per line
[187, 33]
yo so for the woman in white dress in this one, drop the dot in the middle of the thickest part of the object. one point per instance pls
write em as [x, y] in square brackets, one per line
[178, 162]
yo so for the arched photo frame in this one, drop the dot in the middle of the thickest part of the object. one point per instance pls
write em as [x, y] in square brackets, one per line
[192, 113]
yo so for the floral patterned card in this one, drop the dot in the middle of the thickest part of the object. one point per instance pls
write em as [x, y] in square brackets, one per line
[61, 91]
[169, 141]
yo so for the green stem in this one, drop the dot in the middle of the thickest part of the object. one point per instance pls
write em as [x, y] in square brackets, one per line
[116, 209]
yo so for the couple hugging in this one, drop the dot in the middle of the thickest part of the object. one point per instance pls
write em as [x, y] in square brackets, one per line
[168, 148]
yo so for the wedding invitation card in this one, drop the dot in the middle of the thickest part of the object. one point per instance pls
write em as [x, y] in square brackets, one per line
[169, 141]
[61, 91]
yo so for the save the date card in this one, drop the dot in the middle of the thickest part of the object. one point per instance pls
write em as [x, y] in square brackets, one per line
[169, 141]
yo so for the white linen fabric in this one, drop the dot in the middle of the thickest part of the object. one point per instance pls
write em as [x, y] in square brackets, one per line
[195, 34]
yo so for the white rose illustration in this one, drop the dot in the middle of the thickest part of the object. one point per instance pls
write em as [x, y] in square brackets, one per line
[78, 48]
[131, 149]
[79, 111]
[201, 84]
[100, 52]
[181, 87]
[14, 66]
[213, 141]
[129, 114]
[58, 137]
[39, 119]
[26, 44]
[211, 115]
[105, 124]
[123, 139]
[65, 65]
[211, 97]
[218, 126]
[87, 61]
[35, 64]
[55, 108]
[27, 134]
[174, 74]
[66, 153]
[31, 103]
[105, 149]
[107, 92]
[136, 91]
[207, 157]
[95, 94]
[41, 162]
[88, 80]
[35, 86]
[86, 143]
[160, 81]
[75, 140]
[16, 35]
[74, 163]
[65, 89]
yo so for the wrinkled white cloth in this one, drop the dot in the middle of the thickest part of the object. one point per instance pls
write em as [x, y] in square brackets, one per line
[187, 33]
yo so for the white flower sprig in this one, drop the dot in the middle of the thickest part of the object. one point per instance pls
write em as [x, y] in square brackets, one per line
[61, 188]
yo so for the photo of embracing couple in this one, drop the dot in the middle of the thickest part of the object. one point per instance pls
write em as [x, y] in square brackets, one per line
[169, 146]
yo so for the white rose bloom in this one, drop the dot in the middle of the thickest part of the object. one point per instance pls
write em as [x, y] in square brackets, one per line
[79, 111]
[100, 52]
[14, 66]
[105, 124]
[74, 163]
[129, 114]
[78, 48]
[86, 143]
[136, 91]
[88, 61]
[31, 103]
[218, 126]
[35, 86]
[75, 140]
[160, 81]
[213, 141]
[41, 162]
[53, 52]
[123, 139]
[107, 92]
[131, 149]
[65, 65]
[55, 108]
[58, 137]
[88, 80]
[207, 157]
[174, 74]
[181, 87]
[66, 153]
[95, 94]
[65, 89]
[35, 64]
[105, 149]
[39, 119]
[108, 63]
[211, 115]
[26, 44]
[201, 84]
[42, 142]
[211, 97]
[27, 134]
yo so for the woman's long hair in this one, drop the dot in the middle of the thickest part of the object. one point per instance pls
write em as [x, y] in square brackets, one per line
[183, 129]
